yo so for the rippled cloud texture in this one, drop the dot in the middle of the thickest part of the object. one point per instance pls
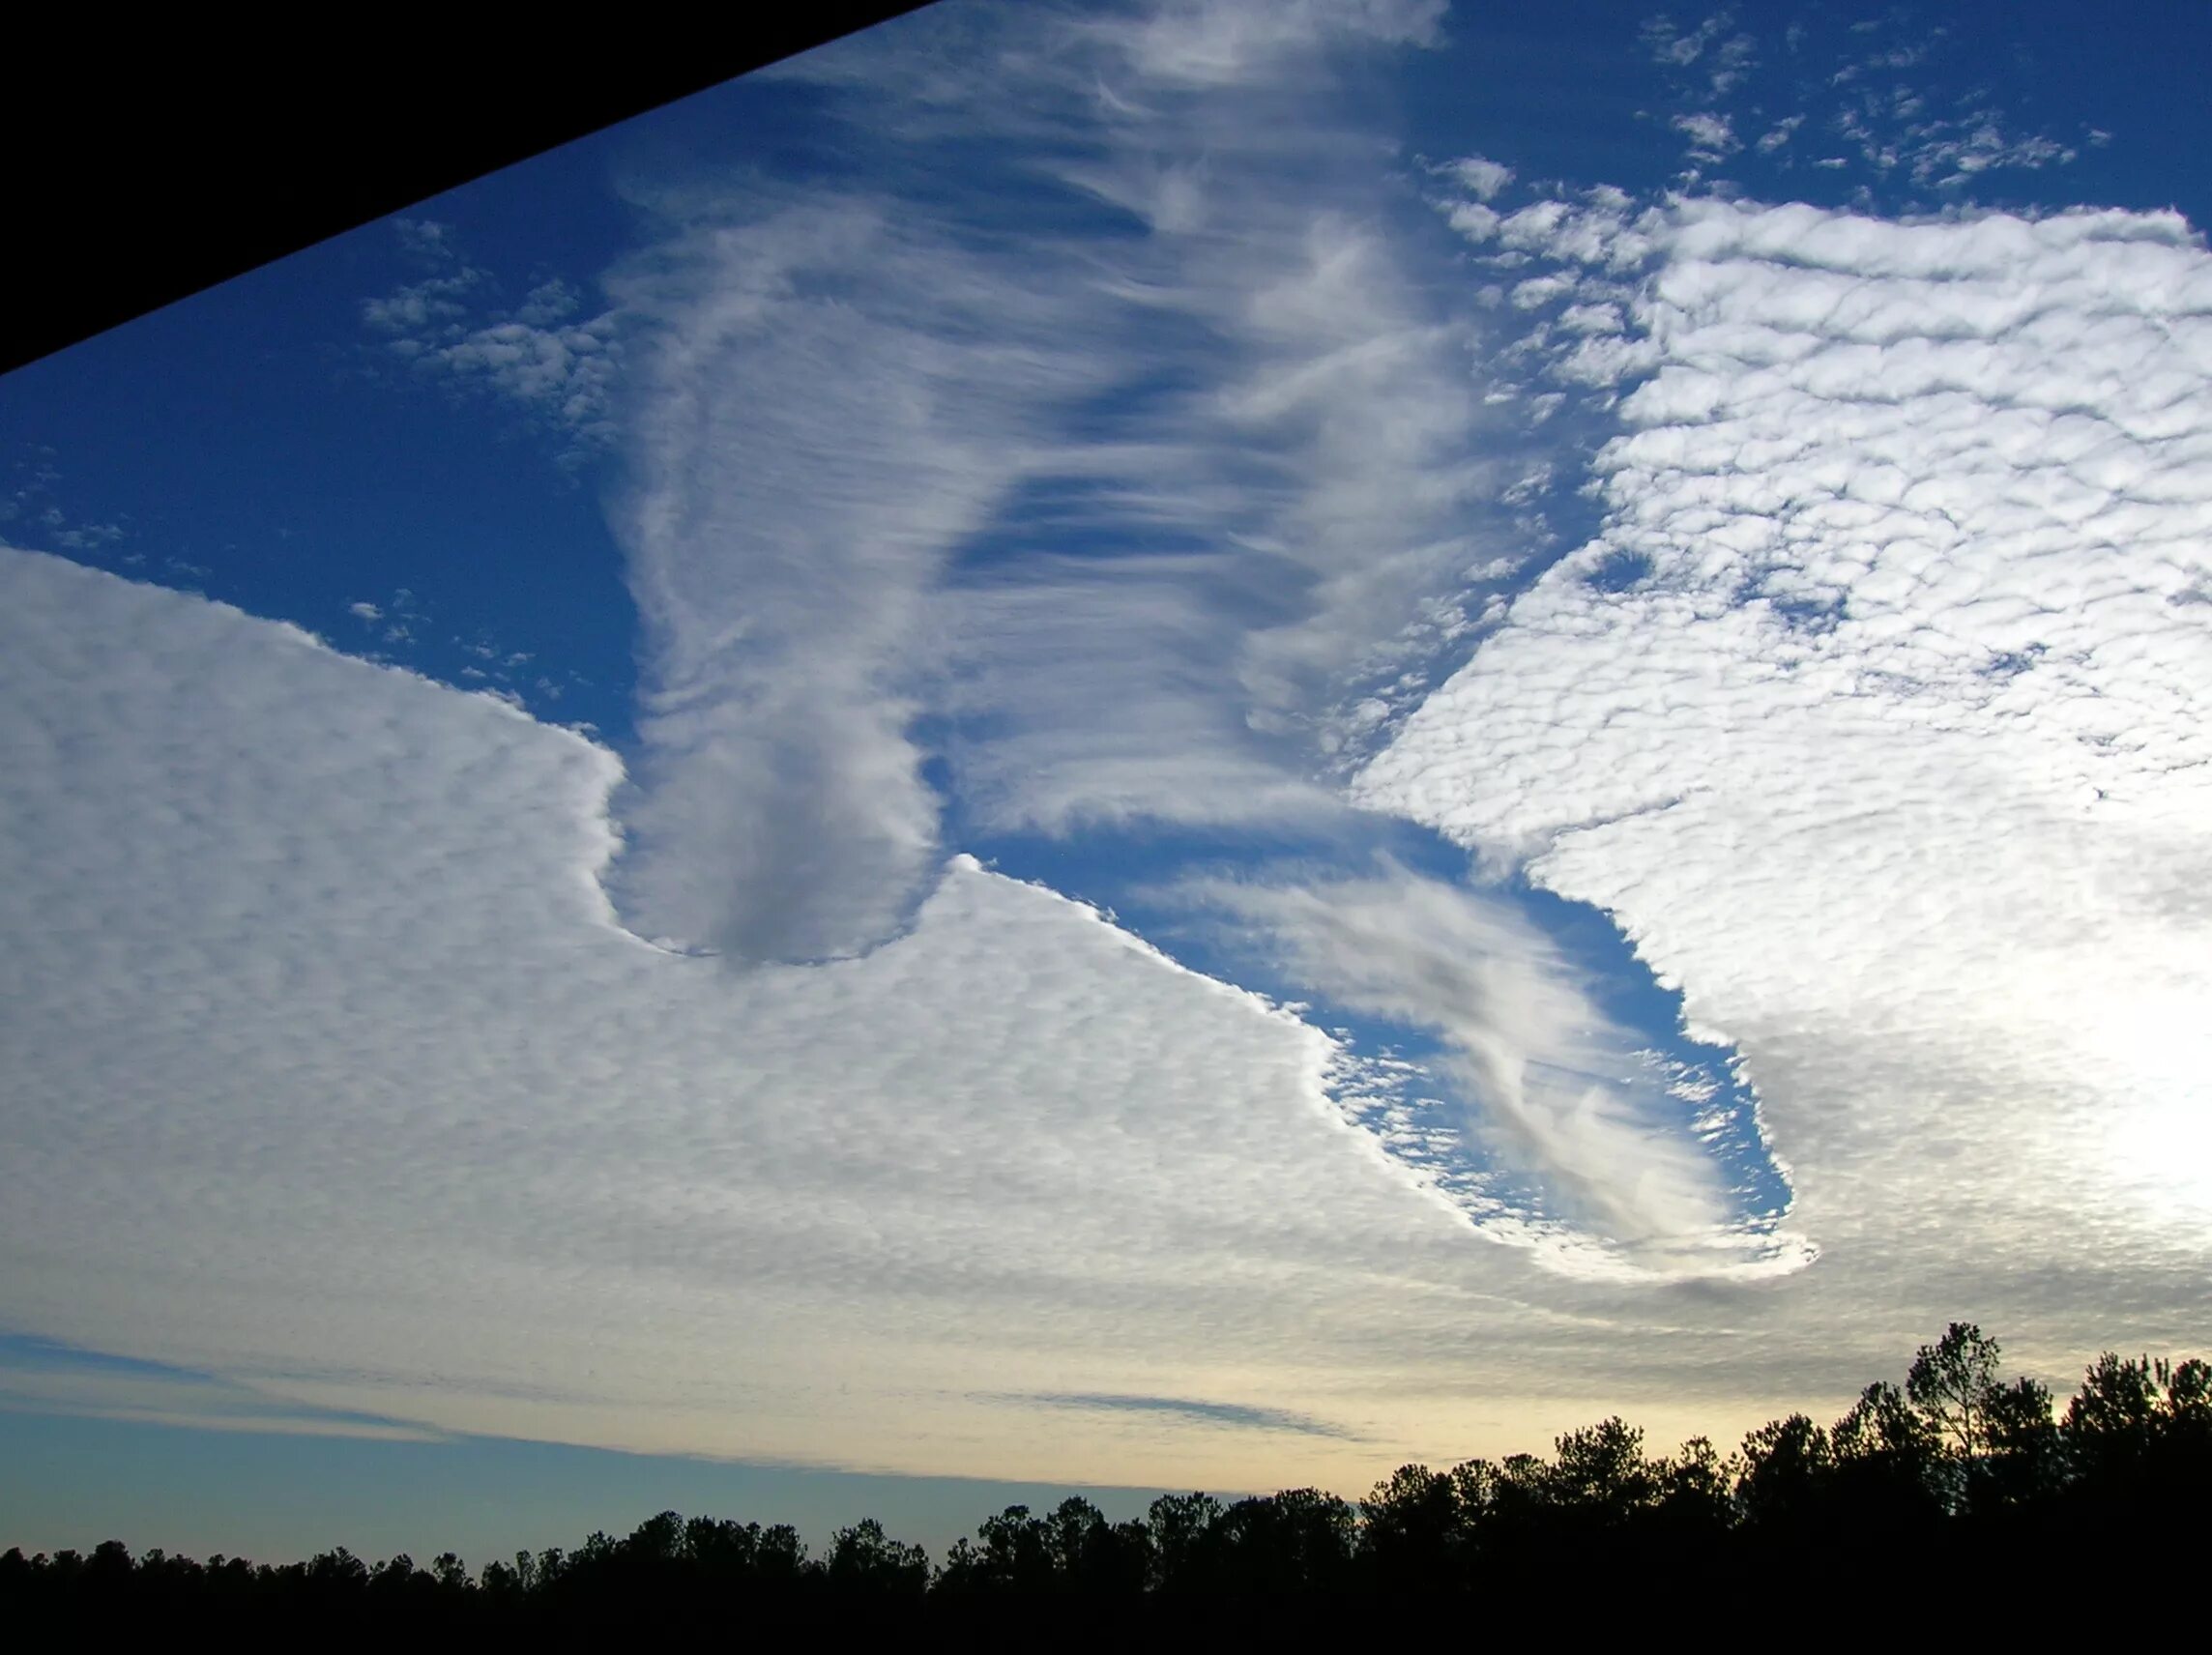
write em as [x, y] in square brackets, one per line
[394, 1117]
[1875, 710]
[1383, 574]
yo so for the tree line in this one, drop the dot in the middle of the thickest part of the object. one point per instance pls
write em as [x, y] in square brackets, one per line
[1961, 1474]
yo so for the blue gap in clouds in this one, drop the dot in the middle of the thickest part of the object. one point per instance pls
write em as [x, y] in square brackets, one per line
[1570, 91]
[1120, 870]
[1404, 1085]
[257, 444]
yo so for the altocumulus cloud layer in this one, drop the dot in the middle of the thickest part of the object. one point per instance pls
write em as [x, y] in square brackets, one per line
[389, 1121]
[1875, 710]
[1134, 451]
[334, 1083]
[385, 1110]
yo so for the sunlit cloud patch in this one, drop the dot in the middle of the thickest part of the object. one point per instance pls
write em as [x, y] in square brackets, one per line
[1873, 708]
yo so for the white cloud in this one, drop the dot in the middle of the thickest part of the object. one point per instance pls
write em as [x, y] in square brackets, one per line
[1603, 318]
[335, 1088]
[34, 504]
[1874, 715]
[332, 1075]
[1915, 116]
[1566, 1095]
[1483, 177]
[541, 357]
[903, 488]
[1540, 290]
[1715, 55]
[1711, 136]
[1910, 129]
[407, 312]
[1926, 501]
[864, 417]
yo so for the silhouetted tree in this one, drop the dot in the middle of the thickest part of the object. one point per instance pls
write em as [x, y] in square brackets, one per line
[1183, 1542]
[1886, 1483]
[1411, 1535]
[1962, 1472]
[1600, 1474]
[1786, 1473]
[864, 1564]
[2024, 1458]
[1952, 1383]
[1298, 1541]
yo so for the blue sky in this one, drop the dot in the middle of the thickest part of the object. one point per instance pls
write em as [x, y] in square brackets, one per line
[1345, 729]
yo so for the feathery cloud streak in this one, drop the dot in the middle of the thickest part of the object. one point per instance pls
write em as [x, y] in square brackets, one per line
[1173, 468]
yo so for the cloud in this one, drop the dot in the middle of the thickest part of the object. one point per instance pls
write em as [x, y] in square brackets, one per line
[1711, 136]
[1870, 712]
[1715, 55]
[1015, 569]
[1268, 1419]
[1912, 116]
[32, 503]
[1563, 1091]
[1213, 43]
[1153, 520]
[412, 1081]
[41, 1375]
[1483, 178]
[834, 399]
[1121, 518]
[1780, 133]
[541, 358]
[333, 1076]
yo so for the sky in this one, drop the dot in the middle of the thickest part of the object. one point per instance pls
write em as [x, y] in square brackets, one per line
[1195, 744]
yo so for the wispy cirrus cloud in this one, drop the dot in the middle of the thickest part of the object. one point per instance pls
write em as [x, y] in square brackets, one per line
[825, 564]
